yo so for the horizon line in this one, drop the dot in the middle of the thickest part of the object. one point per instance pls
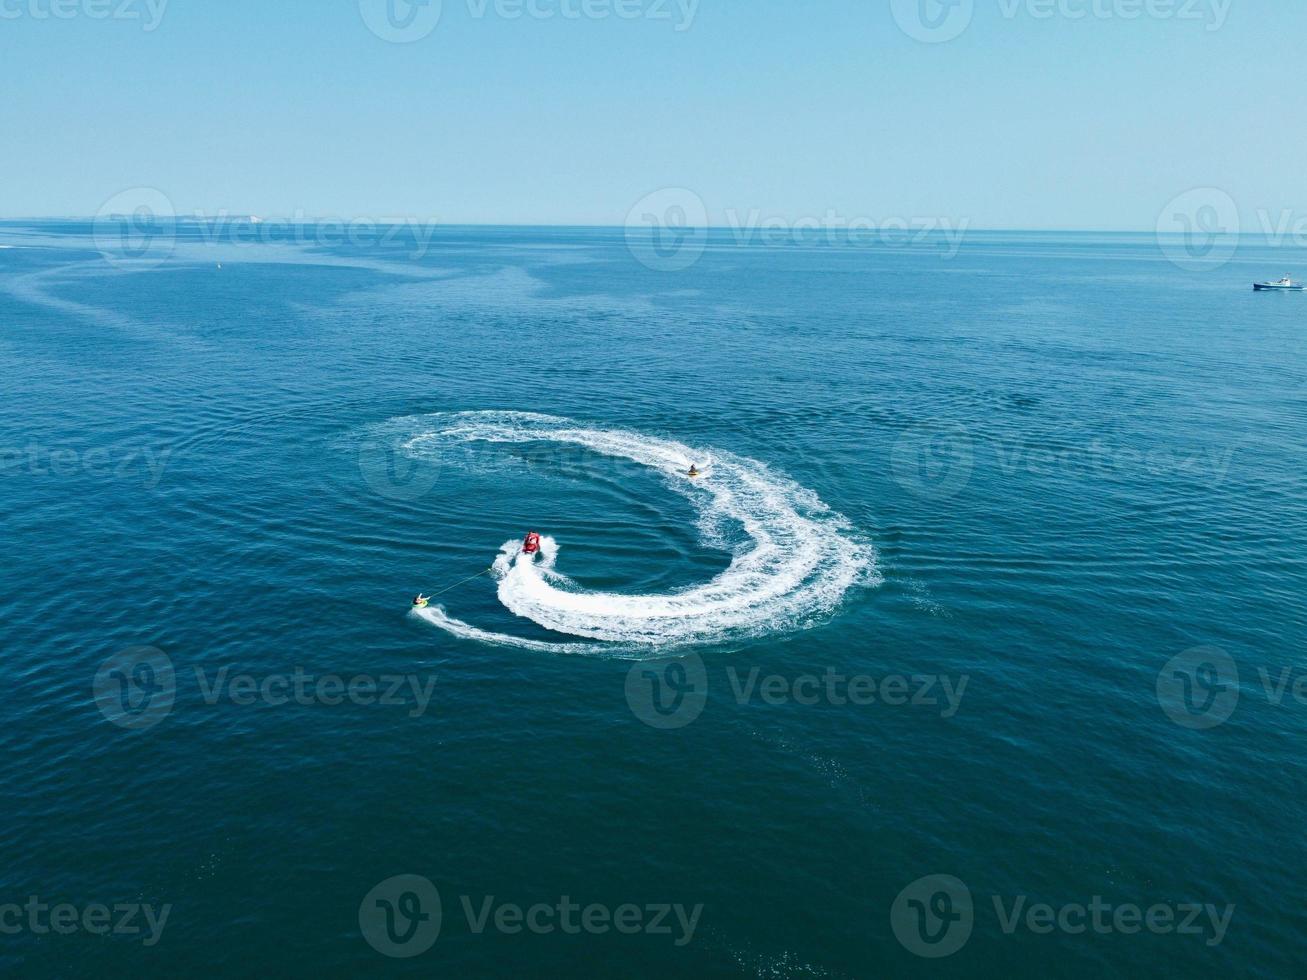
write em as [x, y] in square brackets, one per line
[412, 219]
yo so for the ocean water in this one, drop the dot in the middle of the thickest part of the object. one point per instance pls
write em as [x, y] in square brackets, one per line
[990, 598]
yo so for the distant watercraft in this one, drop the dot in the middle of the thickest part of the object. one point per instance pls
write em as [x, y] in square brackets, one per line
[1285, 284]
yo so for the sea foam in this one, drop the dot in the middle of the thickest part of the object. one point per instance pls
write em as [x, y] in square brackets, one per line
[795, 564]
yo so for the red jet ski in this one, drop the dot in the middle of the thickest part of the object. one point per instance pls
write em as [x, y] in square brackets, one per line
[532, 544]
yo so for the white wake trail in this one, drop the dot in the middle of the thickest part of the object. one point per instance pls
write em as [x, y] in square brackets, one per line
[799, 560]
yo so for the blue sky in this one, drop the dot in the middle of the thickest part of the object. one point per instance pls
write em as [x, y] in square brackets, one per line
[1038, 114]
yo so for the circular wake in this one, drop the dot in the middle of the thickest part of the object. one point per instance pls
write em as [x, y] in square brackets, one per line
[795, 563]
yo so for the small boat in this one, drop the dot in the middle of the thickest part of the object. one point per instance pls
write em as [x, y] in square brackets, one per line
[1284, 285]
[532, 544]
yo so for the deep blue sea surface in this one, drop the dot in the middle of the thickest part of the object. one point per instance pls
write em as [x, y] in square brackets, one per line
[995, 578]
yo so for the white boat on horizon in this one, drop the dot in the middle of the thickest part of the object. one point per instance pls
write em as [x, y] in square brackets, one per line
[1286, 284]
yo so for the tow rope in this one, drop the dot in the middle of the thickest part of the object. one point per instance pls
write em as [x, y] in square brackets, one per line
[464, 582]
